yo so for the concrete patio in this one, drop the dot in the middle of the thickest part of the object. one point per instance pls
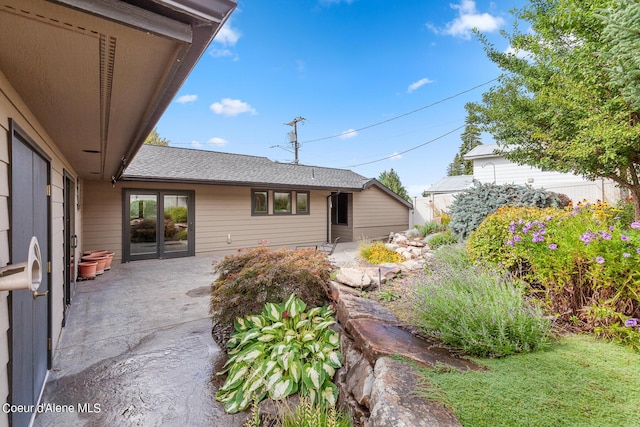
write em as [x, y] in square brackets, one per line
[137, 349]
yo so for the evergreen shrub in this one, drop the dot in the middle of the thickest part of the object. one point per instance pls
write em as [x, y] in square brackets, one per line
[472, 206]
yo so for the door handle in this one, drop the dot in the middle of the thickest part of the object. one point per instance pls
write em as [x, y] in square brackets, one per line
[40, 294]
[74, 241]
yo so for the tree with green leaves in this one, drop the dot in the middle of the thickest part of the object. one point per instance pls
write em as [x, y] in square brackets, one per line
[155, 139]
[562, 103]
[391, 180]
[470, 139]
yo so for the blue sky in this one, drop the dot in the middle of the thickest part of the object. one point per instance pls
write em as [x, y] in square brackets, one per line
[353, 69]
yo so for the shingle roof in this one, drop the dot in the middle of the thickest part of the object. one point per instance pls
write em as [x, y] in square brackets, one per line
[484, 150]
[180, 164]
[451, 184]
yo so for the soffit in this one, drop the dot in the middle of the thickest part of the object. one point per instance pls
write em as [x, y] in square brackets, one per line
[95, 83]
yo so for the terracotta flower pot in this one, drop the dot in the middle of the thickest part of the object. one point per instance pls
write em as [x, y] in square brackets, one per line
[95, 252]
[87, 270]
[109, 256]
[100, 259]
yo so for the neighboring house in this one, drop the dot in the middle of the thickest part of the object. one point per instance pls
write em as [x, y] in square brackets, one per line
[82, 83]
[439, 197]
[490, 167]
[228, 201]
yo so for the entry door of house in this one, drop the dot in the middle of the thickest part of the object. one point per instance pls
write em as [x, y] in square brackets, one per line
[29, 313]
[158, 224]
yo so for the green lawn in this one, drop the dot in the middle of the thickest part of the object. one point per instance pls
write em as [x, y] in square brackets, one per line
[577, 382]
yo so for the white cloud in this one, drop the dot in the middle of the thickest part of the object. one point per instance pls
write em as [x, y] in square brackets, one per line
[185, 99]
[196, 144]
[468, 19]
[231, 107]
[395, 156]
[227, 36]
[415, 85]
[519, 53]
[217, 142]
[349, 133]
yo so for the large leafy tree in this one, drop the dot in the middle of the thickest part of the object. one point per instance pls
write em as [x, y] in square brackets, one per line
[470, 139]
[154, 138]
[391, 180]
[562, 104]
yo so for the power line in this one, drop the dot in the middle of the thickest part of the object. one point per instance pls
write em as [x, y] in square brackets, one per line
[410, 149]
[405, 114]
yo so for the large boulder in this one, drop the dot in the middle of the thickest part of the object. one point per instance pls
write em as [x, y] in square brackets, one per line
[353, 277]
[394, 403]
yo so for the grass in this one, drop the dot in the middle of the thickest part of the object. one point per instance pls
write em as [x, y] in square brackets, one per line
[577, 382]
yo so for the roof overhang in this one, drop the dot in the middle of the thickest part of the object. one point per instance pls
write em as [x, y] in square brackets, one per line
[98, 74]
[257, 184]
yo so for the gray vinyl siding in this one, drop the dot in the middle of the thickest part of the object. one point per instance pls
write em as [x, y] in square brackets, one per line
[13, 107]
[220, 212]
[376, 214]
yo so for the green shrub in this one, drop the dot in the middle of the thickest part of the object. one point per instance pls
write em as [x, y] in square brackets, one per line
[305, 414]
[471, 207]
[256, 276]
[454, 256]
[284, 350]
[431, 227]
[442, 239]
[415, 232]
[479, 312]
[182, 235]
[378, 253]
[582, 260]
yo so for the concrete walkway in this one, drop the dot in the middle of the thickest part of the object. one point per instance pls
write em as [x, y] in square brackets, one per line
[137, 350]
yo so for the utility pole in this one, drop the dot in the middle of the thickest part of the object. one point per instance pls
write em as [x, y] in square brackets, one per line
[293, 136]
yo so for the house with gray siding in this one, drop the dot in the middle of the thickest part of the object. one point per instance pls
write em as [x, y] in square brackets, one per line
[82, 83]
[229, 201]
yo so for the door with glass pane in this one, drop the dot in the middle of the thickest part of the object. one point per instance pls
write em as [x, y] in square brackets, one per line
[158, 224]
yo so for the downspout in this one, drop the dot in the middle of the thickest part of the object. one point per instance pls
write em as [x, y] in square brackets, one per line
[329, 217]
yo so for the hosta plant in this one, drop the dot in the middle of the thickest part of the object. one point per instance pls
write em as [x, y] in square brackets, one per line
[282, 351]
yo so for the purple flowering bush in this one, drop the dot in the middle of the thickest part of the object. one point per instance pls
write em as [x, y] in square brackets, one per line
[583, 260]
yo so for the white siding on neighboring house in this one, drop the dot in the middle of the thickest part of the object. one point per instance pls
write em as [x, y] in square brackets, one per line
[498, 169]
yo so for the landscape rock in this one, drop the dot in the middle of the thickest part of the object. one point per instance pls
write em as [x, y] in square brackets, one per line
[377, 338]
[336, 289]
[359, 381]
[386, 272]
[351, 307]
[412, 265]
[394, 403]
[353, 277]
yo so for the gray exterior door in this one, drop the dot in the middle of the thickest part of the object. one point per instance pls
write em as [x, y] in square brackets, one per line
[29, 315]
[158, 224]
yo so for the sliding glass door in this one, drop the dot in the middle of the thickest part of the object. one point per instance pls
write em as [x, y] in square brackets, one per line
[158, 224]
